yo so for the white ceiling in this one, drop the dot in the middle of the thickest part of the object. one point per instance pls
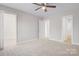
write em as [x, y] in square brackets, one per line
[29, 7]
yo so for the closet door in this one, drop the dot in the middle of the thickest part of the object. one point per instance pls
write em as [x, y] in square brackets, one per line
[9, 30]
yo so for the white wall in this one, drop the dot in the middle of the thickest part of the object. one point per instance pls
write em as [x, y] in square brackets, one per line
[56, 25]
[76, 28]
[1, 30]
[27, 24]
[28, 27]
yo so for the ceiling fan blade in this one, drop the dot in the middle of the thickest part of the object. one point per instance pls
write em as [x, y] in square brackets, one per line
[37, 9]
[51, 6]
[38, 4]
[42, 4]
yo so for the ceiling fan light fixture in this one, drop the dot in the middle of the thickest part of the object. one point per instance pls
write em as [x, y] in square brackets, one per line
[43, 7]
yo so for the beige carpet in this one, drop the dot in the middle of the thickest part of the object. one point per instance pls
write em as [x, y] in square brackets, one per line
[40, 48]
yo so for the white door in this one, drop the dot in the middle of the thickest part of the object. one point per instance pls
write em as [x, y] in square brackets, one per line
[67, 27]
[9, 30]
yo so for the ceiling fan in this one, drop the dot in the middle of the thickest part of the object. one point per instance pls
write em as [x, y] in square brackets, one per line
[44, 6]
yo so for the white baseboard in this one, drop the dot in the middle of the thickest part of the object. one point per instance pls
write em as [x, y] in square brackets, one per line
[56, 40]
[63, 41]
[24, 41]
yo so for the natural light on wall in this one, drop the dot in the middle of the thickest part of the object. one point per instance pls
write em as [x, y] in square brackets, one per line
[47, 28]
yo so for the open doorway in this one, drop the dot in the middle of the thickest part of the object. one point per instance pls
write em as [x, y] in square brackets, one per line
[9, 30]
[67, 29]
[44, 27]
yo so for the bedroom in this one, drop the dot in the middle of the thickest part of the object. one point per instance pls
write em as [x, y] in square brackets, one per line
[27, 32]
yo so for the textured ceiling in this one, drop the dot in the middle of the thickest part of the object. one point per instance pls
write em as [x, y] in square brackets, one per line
[29, 7]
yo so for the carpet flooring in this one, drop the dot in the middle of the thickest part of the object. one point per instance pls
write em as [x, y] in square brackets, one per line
[40, 48]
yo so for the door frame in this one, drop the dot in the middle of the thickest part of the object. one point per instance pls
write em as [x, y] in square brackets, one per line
[15, 26]
[66, 18]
